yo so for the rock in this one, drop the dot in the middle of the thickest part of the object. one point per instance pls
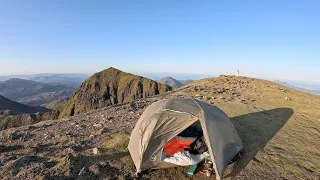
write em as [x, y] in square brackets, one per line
[23, 136]
[71, 149]
[235, 94]
[286, 98]
[24, 161]
[69, 158]
[95, 151]
[2, 148]
[220, 91]
[103, 130]
[15, 135]
[94, 169]
[97, 125]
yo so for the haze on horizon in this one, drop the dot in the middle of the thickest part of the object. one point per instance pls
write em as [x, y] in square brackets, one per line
[273, 39]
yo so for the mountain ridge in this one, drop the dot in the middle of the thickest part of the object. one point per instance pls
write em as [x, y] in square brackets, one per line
[69, 80]
[31, 92]
[7, 104]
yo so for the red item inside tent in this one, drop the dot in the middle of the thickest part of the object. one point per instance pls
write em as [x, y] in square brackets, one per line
[175, 146]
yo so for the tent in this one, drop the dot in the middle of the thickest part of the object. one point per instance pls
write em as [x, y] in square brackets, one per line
[165, 119]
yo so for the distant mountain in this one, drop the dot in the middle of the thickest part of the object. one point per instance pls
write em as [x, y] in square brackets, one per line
[5, 78]
[69, 80]
[316, 92]
[186, 81]
[7, 104]
[174, 82]
[108, 87]
[43, 99]
[31, 92]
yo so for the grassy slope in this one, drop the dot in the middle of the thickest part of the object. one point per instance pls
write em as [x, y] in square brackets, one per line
[281, 135]
[280, 129]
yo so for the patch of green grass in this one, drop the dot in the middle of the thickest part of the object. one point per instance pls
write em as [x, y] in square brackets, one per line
[3, 121]
[116, 141]
[279, 146]
[307, 166]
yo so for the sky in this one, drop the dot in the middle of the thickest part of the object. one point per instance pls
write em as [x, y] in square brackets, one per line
[267, 39]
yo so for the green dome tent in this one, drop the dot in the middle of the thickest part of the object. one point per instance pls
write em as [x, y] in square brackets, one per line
[165, 119]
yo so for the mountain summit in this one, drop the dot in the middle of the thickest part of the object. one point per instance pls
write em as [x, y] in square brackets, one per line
[109, 87]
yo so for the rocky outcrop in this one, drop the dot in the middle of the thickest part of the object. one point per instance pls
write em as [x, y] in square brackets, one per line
[108, 87]
[9, 119]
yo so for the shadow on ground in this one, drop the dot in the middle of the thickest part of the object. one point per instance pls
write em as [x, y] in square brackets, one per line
[256, 130]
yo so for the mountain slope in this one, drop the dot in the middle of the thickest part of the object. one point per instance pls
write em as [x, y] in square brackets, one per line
[6, 103]
[173, 82]
[109, 87]
[31, 92]
[57, 103]
[279, 127]
[43, 99]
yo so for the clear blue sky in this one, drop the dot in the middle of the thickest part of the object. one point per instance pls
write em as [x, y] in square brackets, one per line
[274, 39]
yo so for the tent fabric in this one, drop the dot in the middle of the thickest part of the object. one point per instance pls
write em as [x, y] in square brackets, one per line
[165, 119]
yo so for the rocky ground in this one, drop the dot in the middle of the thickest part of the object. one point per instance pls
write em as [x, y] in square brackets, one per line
[279, 127]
